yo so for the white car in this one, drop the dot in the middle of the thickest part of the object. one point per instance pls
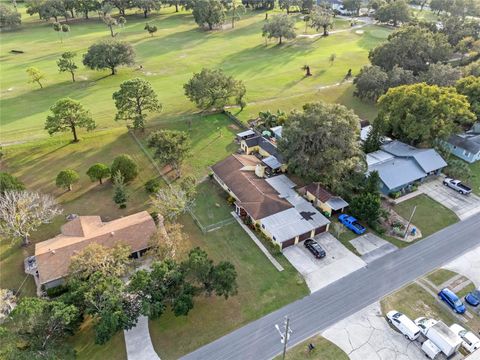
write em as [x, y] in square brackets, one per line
[469, 340]
[403, 323]
[424, 323]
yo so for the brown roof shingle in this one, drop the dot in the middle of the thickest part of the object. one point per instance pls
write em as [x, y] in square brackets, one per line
[319, 192]
[53, 256]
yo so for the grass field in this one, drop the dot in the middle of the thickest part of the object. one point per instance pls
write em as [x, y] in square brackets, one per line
[272, 74]
[430, 215]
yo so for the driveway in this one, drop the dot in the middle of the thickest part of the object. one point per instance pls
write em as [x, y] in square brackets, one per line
[318, 273]
[468, 265]
[367, 335]
[371, 247]
[138, 342]
[462, 205]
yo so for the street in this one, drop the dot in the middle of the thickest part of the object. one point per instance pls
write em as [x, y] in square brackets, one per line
[314, 313]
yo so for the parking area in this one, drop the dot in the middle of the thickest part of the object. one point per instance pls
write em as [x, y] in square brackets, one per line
[462, 205]
[367, 335]
[318, 273]
[371, 247]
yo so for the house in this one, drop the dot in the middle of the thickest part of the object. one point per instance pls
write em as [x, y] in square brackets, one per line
[466, 146]
[400, 165]
[272, 204]
[265, 147]
[324, 200]
[52, 257]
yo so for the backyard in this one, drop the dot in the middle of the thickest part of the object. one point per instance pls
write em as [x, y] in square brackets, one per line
[272, 74]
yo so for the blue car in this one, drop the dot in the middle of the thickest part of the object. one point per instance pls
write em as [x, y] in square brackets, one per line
[452, 300]
[351, 223]
[473, 298]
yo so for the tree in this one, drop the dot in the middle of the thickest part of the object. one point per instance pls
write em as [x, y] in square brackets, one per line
[85, 6]
[151, 29]
[22, 212]
[61, 28]
[419, 114]
[167, 242]
[96, 258]
[171, 147]
[212, 88]
[371, 83]
[458, 169]
[441, 75]
[279, 27]
[373, 141]
[10, 18]
[109, 55]
[367, 207]
[120, 194]
[36, 76]
[121, 5]
[472, 69]
[111, 22]
[320, 143]
[98, 172]
[399, 76]
[42, 323]
[470, 87]
[133, 100]
[66, 178]
[10, 183]
[236, 9]
[171, 201]
[396, 12]
[411, 48]
[321, 18]
[210, 12]
[288, 4]
[67, 64]
[127, 167]
[68, 114]
[353, 6]
[47, 9]
[147, 6]
[224, 278]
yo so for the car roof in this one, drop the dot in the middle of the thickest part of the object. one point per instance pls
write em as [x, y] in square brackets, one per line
[450, 294]
[408, 323]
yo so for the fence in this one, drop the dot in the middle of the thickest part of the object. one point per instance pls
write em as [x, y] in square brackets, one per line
[234, 119]
[204, 228]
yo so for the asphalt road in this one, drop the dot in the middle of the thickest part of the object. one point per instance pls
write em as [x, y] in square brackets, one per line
[260, 340]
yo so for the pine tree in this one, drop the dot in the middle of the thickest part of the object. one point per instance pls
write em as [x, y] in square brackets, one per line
[120, 194]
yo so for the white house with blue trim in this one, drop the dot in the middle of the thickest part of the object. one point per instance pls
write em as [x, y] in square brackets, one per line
[399, 165]
[466, 146]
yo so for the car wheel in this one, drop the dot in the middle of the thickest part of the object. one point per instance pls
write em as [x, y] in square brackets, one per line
[389, 321]
[444, 183]
[406, 336]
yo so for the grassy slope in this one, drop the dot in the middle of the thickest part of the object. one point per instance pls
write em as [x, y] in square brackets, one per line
[169, 58]
[430, 215]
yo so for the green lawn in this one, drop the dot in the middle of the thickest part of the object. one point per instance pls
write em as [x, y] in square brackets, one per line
[440, 276]
[324, 350]
[262, 289]
[272, 74]
[474, 181]
[210, 205]
[430, 215]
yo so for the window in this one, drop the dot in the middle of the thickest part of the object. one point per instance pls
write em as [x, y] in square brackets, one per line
[263, 226]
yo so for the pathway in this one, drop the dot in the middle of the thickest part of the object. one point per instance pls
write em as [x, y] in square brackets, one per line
[257, 242]
[138, 342]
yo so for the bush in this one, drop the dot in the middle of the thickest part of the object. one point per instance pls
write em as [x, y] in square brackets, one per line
[395, 194]
[9, 182]
[155, 217]
[231, 200]
[57, 291]
[152, 186]
[127, 167]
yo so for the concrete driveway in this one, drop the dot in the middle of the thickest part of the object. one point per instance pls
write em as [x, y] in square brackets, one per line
[462, 205]
[366, 335]
[371, 247]
[318, 273]
[468, 265]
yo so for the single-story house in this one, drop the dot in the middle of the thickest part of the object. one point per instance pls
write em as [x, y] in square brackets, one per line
[271, 204]
[266, 148]
[53, 256]
[323, 199]
[400, 165]
[466, 146]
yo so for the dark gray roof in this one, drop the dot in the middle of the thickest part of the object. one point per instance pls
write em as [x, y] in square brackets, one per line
[270, 148]
[253, 141]
[469, 142]
[428, 159]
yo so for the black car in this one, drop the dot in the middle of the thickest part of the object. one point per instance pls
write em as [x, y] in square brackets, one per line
[314, 248]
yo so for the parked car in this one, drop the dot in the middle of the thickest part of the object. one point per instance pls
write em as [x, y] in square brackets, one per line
[469, 340]
[403, 323]
[351, 223]
[452, 300]
[473, 298]
[315, 248]
[457, 185]
[424, 324]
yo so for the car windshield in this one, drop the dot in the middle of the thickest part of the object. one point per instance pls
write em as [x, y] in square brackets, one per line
[458, 303]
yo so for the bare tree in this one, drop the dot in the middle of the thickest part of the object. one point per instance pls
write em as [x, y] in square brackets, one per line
[171, 201]
[22, 212]
[168, 242]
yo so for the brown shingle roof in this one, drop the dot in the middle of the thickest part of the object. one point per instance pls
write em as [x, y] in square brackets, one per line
[320, 193]
[53, 256]
[255, 195]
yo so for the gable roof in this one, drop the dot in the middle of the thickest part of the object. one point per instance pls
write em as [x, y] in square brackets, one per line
[428, 159]
[53, 256]
[319, 192]
[467, 141]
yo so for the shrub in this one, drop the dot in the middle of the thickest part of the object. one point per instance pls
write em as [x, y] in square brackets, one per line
[127, 167]
[152, 186]
[56, 291]
[395, 194]
[155, 217]
[230, 200]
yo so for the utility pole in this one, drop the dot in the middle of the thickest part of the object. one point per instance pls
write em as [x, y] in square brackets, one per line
[285, 334]
[409, 222]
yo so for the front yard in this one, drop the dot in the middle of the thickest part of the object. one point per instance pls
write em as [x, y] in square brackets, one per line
[474, 181]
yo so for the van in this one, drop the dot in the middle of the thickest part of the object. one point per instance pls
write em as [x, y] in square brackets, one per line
[403, 323]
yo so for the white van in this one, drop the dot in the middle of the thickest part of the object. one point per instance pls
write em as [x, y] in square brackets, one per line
[403, 323]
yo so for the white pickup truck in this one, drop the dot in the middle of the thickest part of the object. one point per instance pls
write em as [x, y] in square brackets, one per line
[457, 185]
